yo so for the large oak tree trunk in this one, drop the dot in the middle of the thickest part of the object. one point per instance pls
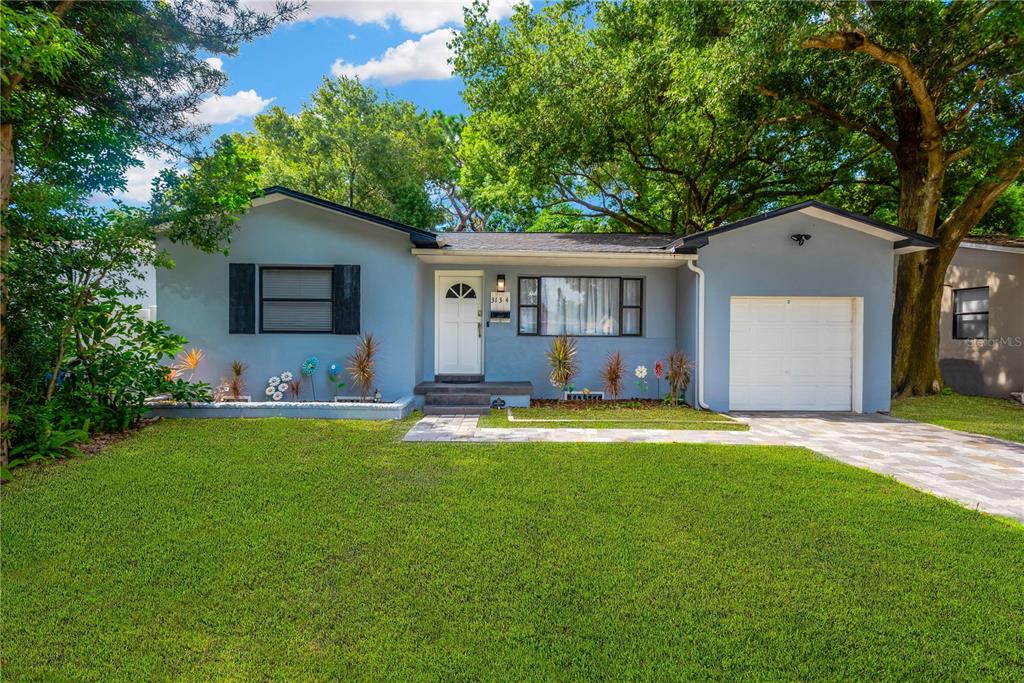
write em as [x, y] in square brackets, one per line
[915, 325]
[919, 275]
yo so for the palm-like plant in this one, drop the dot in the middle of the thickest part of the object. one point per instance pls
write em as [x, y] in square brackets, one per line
[562, 359]
[236, 385]
[678, 375]
[611, 374]
[361, 365]
[188, 361]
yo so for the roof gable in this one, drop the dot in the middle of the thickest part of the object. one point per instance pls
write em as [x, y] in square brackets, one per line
[903, 240]
[420, 238]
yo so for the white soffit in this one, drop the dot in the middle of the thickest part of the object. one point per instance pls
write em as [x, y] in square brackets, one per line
[548, 258]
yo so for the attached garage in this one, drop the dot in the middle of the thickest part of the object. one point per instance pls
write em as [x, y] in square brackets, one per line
[793, 310]
[794, 353]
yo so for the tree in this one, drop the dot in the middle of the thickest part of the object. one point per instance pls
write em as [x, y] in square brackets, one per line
[937, 87]
[374, 153]
[680, 116]
[87, 87]
[630, 112]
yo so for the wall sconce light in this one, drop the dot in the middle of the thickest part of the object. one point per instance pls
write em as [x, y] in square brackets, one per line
[800, 239]
[501, 282]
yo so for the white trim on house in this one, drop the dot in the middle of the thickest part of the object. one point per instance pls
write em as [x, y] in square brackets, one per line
[553, 258]
[438, 274]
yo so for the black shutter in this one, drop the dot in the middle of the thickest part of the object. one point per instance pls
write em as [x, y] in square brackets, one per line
[346, 299]
[242, 298]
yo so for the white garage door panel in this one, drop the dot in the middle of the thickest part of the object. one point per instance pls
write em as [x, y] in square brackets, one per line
[791, 353]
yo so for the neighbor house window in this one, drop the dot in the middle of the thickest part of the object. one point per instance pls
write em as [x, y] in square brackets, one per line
[970, 313]
[581, 306]
[296, 299]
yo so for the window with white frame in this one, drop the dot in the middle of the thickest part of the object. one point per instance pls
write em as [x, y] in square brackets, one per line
[581, 306]
[970, 313]
[296, 299]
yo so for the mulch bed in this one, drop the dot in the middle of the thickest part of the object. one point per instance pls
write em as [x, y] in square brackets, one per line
[101, 441]
[620, 403]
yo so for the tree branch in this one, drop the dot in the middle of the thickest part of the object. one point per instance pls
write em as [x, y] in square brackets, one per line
[961, 118]
[856, 41]
[872, 130]
[980, 198]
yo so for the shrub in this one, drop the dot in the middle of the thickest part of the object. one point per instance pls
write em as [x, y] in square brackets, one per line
[361, 365]
[117, 365]
[562, 360]
[611, 375]
[678, 375]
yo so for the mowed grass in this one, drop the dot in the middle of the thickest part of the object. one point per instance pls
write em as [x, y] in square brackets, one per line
[612, 416]
[996, 417]
[296, 550]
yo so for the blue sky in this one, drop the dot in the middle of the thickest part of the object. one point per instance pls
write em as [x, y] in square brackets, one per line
[394, 45]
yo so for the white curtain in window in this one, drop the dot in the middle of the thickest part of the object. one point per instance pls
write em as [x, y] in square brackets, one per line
[580, 306]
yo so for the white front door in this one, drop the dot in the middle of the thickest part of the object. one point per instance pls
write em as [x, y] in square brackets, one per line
[460, 325]
[791, 353]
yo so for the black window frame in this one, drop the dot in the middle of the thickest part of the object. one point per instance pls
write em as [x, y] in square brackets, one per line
[537, 307]
[622, 306]
[956, 316]
[329, 300]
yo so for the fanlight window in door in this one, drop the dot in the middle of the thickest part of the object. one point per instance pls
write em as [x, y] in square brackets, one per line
[460, 290]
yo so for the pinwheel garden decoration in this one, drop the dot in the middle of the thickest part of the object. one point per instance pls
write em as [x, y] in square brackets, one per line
[641, 379]
[333, 373]
[309, 366]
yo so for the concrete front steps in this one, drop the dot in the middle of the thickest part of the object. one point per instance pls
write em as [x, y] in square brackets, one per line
[465, 394]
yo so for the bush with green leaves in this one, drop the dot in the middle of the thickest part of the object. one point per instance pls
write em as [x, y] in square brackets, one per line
[119, 361]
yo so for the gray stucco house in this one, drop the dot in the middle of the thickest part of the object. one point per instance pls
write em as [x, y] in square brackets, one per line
[790, 310]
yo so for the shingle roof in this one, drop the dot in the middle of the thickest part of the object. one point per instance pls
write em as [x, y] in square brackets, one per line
[996, 240]
[556, 242]
[629, 243]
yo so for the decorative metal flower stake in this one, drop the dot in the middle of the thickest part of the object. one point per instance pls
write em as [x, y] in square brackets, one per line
[309, 366]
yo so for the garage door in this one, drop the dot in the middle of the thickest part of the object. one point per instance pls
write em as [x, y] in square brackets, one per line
[791, 353]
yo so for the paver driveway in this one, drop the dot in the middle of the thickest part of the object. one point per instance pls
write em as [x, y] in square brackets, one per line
[979, 471]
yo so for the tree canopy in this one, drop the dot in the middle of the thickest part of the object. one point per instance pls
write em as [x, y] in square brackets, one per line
[633, 113]
[87, 88]
[679, 116]
[374, 153]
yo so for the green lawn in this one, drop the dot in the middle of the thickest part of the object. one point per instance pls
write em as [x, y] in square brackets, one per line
[293, 549]
[997, 417]
[613, 416]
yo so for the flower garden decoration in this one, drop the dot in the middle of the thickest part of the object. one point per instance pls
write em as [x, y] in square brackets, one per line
[659, 372]
[309, 366]
[641, 378]
[277, 386]
[333, 373]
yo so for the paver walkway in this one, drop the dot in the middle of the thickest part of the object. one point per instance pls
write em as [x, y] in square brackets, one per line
[979, 471]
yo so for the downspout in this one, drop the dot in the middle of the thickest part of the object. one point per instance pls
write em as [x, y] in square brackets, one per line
[700, 334]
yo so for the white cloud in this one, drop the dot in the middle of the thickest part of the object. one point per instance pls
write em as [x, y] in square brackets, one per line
[415, 16]
[351, 36]
[228, 108]
[423, 59]
[216, 62]
[138, 179]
